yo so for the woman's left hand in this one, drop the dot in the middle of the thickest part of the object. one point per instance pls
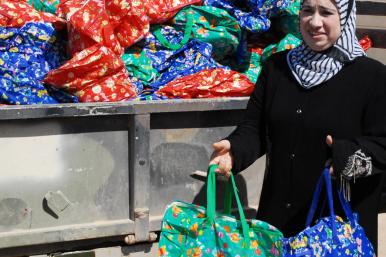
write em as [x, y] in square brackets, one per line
[329, 143]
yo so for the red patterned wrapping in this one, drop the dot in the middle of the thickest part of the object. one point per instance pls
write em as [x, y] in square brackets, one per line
[160, 11]
[16, 13]
[129, 20]
[116, 24]
[95, 74]
[366, 43]
[208, 84]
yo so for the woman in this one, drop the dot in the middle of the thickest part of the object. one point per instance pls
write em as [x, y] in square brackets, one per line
[322, 100]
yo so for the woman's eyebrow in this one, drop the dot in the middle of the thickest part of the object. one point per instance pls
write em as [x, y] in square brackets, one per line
[308, 6]
[327, 9]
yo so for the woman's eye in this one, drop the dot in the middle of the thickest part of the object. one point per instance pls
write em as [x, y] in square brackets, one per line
[326, 13]
[306, 10]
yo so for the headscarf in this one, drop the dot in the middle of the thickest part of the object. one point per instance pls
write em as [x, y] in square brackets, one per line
[312, 68]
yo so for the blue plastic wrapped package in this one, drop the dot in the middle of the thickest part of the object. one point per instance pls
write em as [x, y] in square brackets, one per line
[61, 96]
[191, 56]
[250, 20]
[255, 14]
[27, 54]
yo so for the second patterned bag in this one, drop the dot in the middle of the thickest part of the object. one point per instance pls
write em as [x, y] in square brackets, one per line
[331, 235]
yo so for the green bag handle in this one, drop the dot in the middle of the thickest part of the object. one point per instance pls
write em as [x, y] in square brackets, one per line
[228, 199]
[185, 39]
[211, 202]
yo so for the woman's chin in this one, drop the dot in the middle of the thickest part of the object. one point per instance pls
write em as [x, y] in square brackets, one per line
[319, 47]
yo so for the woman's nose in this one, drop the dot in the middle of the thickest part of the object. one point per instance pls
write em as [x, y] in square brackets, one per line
[316, 21]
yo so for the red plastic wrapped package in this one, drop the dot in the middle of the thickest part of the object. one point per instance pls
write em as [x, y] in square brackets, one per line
[116, 24]
[366, 43]
[208, 84]
[95, 74]
[16, 13]
[160, 11]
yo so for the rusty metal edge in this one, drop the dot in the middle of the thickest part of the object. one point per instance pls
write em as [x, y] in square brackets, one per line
[120, 108]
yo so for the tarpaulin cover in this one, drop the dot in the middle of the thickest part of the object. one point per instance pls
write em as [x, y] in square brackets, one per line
[27, 54]
[16, 13]
[209, 83]
[95, 74]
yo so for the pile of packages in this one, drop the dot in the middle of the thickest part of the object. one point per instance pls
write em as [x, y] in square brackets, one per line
[55, 51]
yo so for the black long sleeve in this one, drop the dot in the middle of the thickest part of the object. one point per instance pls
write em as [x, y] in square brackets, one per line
[248, 139]
[365, 155]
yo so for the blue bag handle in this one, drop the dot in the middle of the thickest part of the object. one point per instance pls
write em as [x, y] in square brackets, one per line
[346, 206]
[323, 180]
[211, 202]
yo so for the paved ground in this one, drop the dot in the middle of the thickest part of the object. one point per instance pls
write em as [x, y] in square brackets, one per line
[382, 235]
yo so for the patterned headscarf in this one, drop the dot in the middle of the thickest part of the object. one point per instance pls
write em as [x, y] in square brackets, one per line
[312, 68]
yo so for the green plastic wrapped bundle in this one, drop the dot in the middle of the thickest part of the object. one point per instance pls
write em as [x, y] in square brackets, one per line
[254, 69]
[257, 55]
[287, 43]
[292, 9]
[44, 5]
[211, 25]
[139, 65]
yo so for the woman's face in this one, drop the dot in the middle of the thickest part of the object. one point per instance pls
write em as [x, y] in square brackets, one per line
[319, 24]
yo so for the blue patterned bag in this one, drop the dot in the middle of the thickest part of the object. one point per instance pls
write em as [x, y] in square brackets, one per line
[330, 236]
[27, 54]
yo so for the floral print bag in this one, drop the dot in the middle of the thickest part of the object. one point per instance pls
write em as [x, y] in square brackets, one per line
[330, 236]
[191, 230]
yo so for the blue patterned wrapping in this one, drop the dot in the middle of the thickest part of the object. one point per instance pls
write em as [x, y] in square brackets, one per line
[269, 8]
[150, 96]
[255, 18]
[27, 54]
[189, 59]
[60, 95]
[250, 20]
[348, 238]
[171, 64]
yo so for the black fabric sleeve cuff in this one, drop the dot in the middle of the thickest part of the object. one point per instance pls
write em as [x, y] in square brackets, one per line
[349, 161]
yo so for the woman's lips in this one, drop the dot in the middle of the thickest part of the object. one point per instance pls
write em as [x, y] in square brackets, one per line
[316, 35]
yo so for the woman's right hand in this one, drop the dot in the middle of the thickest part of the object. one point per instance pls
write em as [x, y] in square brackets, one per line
[222, 156]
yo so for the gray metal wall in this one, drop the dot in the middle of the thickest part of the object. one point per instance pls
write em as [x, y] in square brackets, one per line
[75, 173]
